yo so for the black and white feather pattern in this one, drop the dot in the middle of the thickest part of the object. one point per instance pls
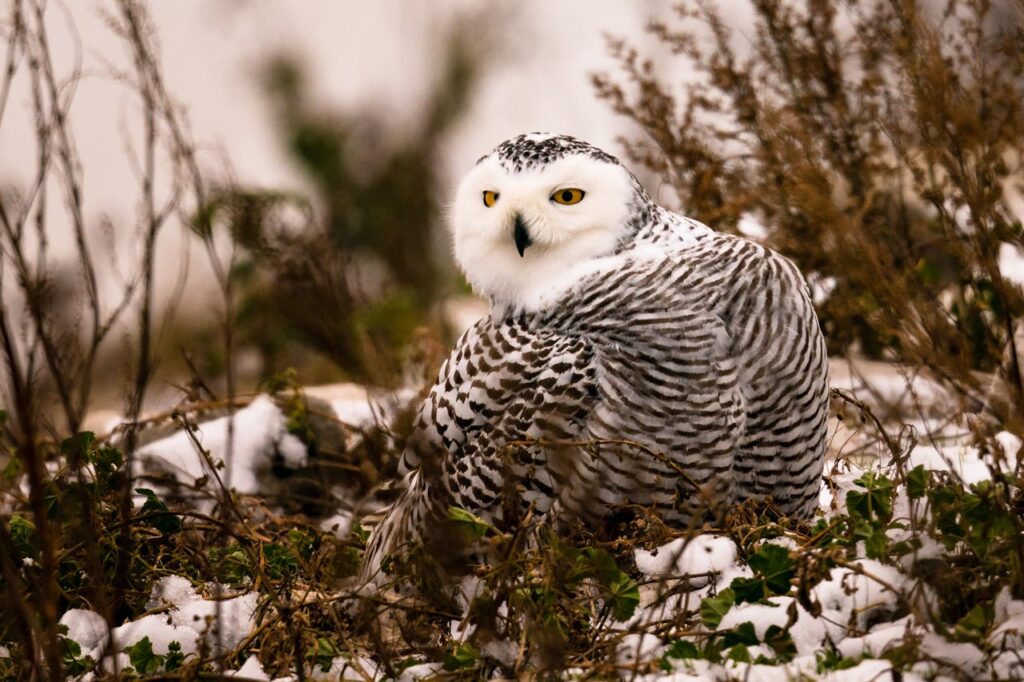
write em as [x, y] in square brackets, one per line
[693, 367]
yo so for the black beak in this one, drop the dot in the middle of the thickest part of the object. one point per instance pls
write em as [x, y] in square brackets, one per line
[521, 236]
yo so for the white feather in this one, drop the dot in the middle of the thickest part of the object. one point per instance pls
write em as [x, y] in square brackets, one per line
[569, 242]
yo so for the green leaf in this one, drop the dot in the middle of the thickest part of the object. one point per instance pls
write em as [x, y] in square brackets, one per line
[876, 502]
[78, 447]
[681, 648]
[619, 591]
[713, 609]
[281, 562]
[739, 653]
[23, 534]
[744, 633]
[232, 564]
[166, 522]
[142, 657]
[324, 652]
[465, 656]
[11, 470]
[72, 659]
[359, 533]
[775, 564]
[174, 658]
[469, 522]
[876, 545]
[917, 482]
[833, 660]
[107, 463]
[304, 541]
[974, 624]
[773, 568]
[781, 642]
[623, 597]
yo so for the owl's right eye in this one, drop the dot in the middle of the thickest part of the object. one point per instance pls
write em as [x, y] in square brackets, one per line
[490, 198]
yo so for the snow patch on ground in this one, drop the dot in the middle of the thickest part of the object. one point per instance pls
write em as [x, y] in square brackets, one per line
[260, 440]
[186, 618]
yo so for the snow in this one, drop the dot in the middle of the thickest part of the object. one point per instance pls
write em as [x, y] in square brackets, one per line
[421, 671]
[867, 607]
[1011, 263]
[171, 590]
[338, 523]
[688, 557]
[807, 632]
[503, 651]
[233, 618]
[260, 438]
[868, 669]
[189, 611]
[251, 670]
[160, 631]
[636, 649]
[185, 618]
[751, 228]
[852, 596]
[87, 629]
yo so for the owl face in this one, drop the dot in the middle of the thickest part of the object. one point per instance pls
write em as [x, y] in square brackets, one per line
[537, 214]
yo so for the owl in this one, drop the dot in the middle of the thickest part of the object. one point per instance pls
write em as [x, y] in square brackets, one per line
[632, 356]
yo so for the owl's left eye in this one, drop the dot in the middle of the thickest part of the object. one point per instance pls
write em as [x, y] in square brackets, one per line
[490, 198]
[568, 197]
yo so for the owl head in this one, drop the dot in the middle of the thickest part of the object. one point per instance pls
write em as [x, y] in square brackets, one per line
[539, 213]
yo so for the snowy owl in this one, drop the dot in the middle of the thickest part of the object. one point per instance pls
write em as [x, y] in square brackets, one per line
[632, 357]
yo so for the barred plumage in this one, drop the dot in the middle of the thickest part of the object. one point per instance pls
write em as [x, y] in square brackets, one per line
[672, 365]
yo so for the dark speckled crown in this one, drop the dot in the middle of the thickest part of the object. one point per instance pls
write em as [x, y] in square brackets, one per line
[538, 149]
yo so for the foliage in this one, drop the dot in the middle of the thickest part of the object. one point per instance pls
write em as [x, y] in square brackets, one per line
[879, 146]
[362, 245]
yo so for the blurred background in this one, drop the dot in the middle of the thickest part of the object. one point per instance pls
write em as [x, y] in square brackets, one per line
[359, 120]
[208, 195]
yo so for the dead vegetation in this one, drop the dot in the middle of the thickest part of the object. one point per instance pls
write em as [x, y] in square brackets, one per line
[878, 145]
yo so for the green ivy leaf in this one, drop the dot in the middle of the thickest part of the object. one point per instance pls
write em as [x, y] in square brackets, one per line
[469, 522]
[619, 591]
[72, 659]
[744, 633]
[232, 564]
[876, 501]
[773, 569]
[23, 533]
[918, 479]
[974, 624]
[106, 463]
[165, 523]
[281, 562]
[464, 656]
[174, 658]
[142, 657]
[324, 652]
[713, 609]
[78, 447]
[775, 564]
[781, 642]
[681, 648]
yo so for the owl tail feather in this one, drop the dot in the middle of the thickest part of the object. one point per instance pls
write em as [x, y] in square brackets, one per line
[407, 524]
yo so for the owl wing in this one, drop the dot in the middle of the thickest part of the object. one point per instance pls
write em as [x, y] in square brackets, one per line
[627, 394]
[505, 390]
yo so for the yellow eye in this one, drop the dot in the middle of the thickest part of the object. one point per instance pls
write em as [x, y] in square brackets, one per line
[568, 197]
[490, 198]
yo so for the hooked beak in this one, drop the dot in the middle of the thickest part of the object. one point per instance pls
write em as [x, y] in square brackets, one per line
[521, 235]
